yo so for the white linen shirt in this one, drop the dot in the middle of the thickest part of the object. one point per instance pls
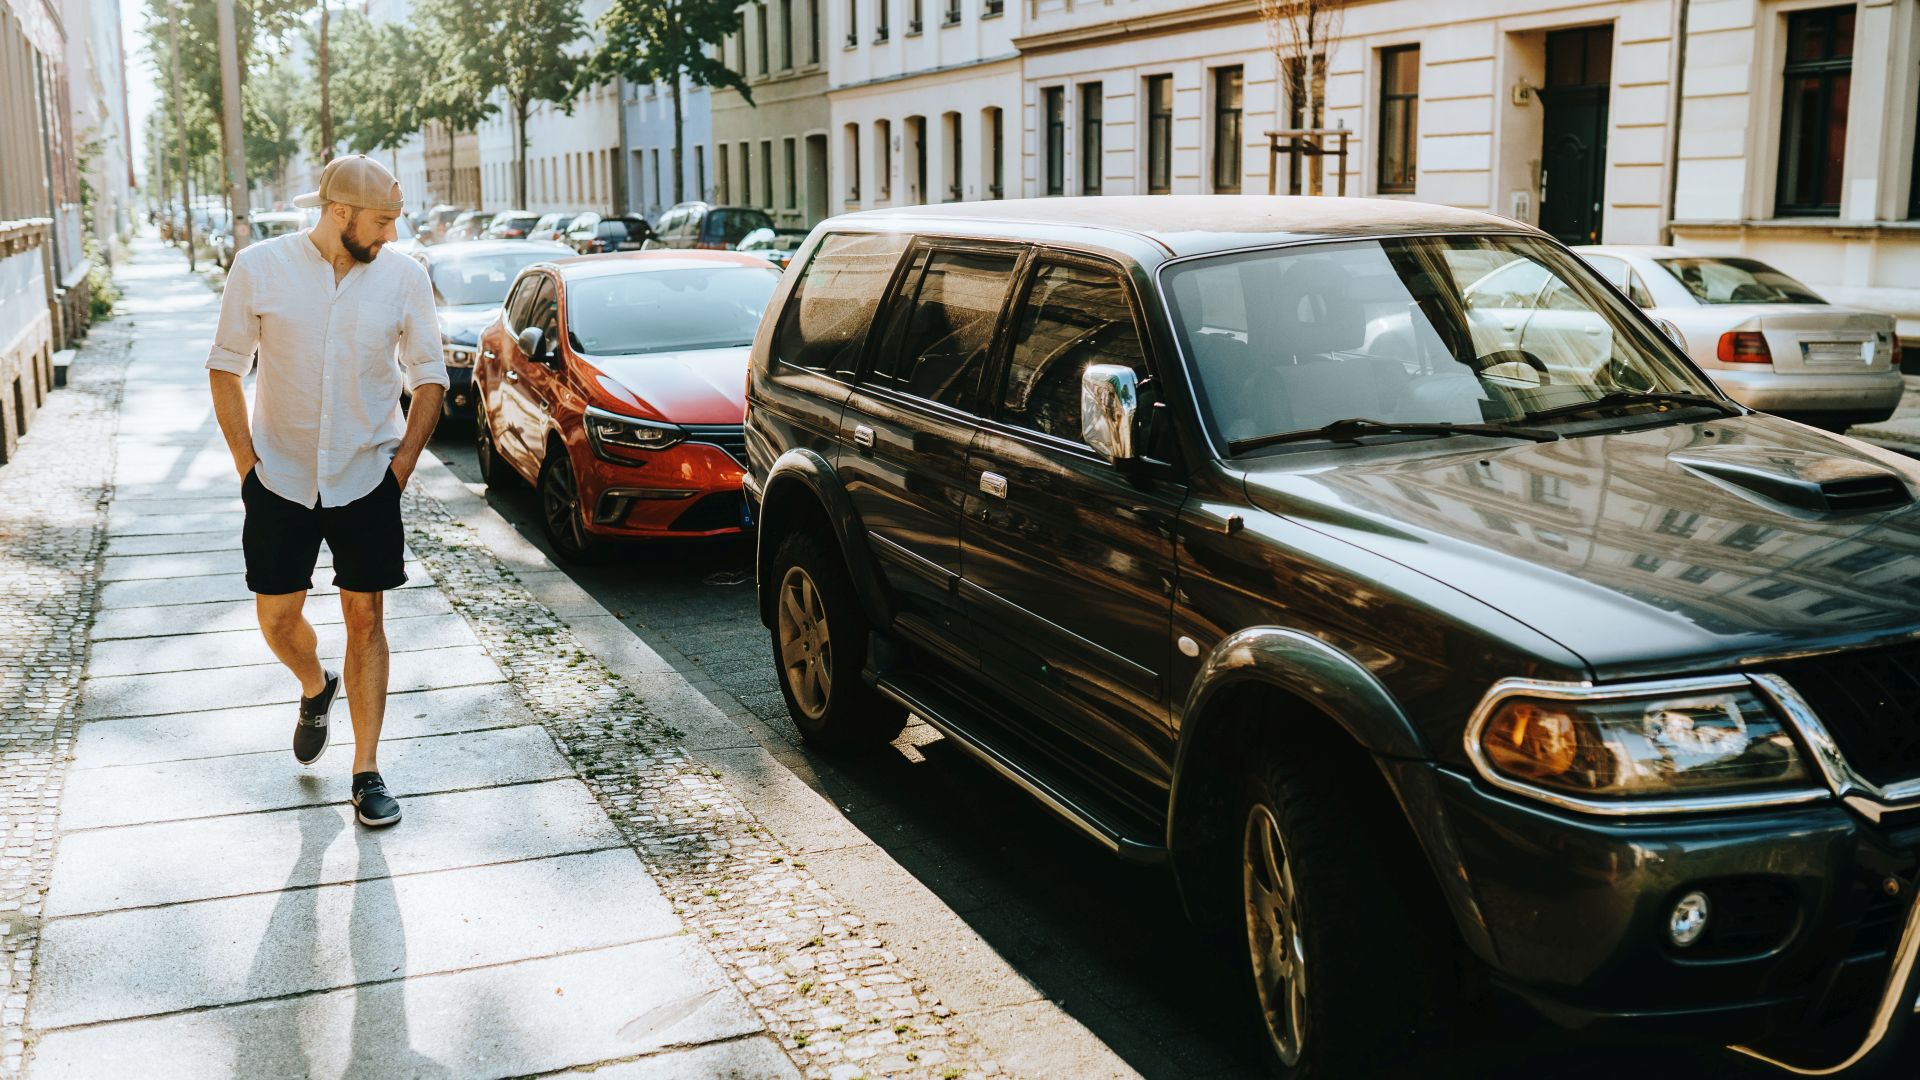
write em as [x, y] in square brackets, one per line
[326, 403]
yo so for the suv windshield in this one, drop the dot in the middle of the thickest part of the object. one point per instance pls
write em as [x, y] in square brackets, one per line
[1411, 330]
[668, 310]
[482, 279]
[1738, 281]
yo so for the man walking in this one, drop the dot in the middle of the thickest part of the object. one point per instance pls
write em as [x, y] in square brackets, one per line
[326, 454]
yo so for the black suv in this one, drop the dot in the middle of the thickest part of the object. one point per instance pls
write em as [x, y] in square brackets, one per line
[1436, 645]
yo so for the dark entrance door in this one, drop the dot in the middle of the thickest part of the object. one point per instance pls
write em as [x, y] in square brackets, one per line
[1573, 154]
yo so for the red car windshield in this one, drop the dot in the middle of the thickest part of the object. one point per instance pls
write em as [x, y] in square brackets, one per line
[668, 310]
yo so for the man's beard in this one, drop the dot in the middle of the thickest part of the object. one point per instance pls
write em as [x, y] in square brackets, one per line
[360, 252]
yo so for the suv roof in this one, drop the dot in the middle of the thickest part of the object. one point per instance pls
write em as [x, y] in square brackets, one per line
[1206, 223]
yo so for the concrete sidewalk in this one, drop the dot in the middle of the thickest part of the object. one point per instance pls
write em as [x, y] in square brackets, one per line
[569, 888]
[214, 908]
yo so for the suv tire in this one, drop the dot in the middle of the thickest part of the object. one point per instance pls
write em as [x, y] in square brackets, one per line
[820, 649]
[494, 473]
[1345, 978]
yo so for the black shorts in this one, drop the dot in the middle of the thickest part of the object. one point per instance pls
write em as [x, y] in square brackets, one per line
[282, 540]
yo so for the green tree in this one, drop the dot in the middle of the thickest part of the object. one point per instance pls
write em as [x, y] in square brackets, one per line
[275, 104]
[381, 81]
[663, 41]
[518, 47]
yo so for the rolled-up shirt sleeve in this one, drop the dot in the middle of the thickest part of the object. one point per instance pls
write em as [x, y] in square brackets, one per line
[237, 337]
[421, 352]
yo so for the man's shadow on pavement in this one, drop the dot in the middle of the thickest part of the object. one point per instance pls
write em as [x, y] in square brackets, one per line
[274, 1043]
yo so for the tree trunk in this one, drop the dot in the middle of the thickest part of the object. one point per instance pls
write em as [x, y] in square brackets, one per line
[679, 143]
[520, 153]
[326, 106]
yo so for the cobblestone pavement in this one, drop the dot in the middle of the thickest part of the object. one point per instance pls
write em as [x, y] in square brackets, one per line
[841, 1003]
[53, 505]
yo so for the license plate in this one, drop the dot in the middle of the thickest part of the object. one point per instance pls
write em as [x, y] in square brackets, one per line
[1836, 353]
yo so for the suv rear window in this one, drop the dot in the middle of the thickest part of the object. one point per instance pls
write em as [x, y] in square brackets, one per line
[942, 323]
[824, 323]
[731, 225]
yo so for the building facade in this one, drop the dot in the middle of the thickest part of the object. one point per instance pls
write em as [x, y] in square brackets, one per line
[925, 98]
[651, 149]
[43, 301]
[772, 152]
[97, 77]
[1797, 144]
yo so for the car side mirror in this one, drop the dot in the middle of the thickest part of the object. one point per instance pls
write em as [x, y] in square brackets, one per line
[530, 340]
[1673, 333]
[1109, 400]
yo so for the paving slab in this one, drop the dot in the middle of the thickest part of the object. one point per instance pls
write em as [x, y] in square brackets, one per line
[150, 961]
[126, 505]
[261, 684]
[148, 524]
[141, 865]
[168, 543]
[216, 587]
[138, 740]
[227, 559]
[239, 648]
[524, 1018]
[245, 783]
[240, 615]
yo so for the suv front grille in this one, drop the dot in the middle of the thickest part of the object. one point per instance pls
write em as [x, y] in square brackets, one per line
[1869, 701]
[729, 437]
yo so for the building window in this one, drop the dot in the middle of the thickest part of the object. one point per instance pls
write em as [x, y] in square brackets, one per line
[883, 158]
[760, 28]
[726, 174]
[917, 127]
[952, 17]
[1227, 86]
[881, 30]
[746, 174]
[766, 173]
[1092, 138]
[786, 35]
[995, 139]
[1399, 118]
[1813, 121]
[659, 193]
[1159, 134]
[955, 150]
[813, 31]
[740, 44]
[793, 176]
[1054, 99]
[853, 162]
[914, 19]
[853, 23]
[699, 169]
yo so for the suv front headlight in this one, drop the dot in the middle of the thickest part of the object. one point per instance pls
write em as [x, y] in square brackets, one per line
[1657, 747]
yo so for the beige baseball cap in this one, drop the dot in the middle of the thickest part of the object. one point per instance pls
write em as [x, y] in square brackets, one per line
[355, 180]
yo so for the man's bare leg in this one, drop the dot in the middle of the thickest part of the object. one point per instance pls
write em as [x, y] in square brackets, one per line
[365, 673]
[291, 638]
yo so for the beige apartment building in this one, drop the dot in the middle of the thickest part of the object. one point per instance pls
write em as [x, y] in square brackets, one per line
[772, 152]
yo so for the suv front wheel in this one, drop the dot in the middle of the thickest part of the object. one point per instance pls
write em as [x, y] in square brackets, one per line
[1346, 976]
[820, 647]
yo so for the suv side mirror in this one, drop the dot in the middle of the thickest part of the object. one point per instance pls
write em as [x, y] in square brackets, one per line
[1109, 399]
[530, 341]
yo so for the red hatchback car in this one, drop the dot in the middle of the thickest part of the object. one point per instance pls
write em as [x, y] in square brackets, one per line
[616, 385]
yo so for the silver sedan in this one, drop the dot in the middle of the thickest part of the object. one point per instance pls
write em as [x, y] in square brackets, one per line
[1770, 342]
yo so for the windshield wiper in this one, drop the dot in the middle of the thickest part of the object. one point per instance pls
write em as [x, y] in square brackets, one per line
[1353, 428]
[1619, 398]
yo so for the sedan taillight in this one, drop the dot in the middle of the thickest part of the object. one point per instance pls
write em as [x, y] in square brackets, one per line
[1744, 347]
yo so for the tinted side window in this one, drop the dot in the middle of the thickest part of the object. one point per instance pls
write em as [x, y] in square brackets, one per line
[545, 314]
[1074, 316]
[522, 300]
[824, 323]
[942, 324]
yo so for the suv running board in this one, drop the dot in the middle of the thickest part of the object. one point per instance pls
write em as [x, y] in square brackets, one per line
[1083, 811]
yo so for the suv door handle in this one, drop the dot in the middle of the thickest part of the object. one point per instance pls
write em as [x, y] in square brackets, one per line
[489, 354]
[512, 375]
[993, 484]
[863, 436]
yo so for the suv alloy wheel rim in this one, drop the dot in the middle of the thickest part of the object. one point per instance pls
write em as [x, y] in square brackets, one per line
[806, 649]
[561, 501]
[1273, 933]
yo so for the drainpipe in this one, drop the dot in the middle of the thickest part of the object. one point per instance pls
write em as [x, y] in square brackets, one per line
[619, 170]
[59, 269]
[1674, 109]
